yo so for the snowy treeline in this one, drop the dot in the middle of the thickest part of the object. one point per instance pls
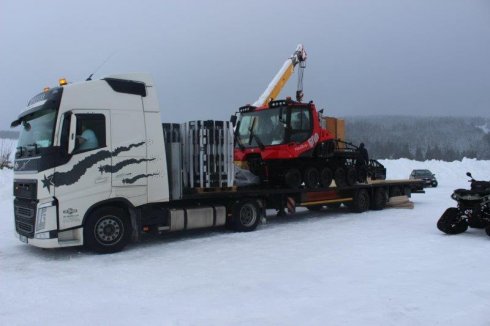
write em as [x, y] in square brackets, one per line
[421, 138]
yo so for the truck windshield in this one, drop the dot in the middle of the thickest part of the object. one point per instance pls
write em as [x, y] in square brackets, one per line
[266, 127]
[37, 129]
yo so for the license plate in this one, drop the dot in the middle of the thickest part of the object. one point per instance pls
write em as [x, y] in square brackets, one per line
[23, 238]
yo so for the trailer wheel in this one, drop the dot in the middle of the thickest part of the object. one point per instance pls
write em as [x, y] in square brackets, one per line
[312, 177]
[107, 230]
[292, 178]
[326, 177]
[340, 178]
[351, 176]
[245, 216]
[379, 199]
[451, 222]
[361, 201]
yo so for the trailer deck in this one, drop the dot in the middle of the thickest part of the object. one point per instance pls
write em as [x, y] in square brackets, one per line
[276, 197]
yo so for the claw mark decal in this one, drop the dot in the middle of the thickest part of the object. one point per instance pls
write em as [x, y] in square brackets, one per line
[121, 149]
[70, 177]
[136, 178]
[122, 164]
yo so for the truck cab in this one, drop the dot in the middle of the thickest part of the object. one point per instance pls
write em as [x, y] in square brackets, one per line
[61, 177]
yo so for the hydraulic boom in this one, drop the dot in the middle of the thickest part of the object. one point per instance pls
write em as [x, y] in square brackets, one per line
[282, 76]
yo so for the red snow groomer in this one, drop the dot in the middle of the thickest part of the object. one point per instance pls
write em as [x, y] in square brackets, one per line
[286, 142]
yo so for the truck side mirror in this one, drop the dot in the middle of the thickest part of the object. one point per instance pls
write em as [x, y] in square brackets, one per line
[72, 134]
[469, 174]
[233, 120]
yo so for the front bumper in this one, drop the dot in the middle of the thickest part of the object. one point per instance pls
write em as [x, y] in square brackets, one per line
[37, 224]
[68, 238]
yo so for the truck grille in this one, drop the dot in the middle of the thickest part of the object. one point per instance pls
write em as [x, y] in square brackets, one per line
[25, 217]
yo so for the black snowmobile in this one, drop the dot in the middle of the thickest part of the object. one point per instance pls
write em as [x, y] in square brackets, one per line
[473, 209]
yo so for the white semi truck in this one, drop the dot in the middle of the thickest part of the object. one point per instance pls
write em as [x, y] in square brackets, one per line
[95, 166]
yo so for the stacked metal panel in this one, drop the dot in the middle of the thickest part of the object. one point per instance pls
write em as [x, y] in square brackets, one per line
[199, 155]
[208, 154]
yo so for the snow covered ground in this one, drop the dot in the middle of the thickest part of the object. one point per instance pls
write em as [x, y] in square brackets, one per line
[325, 268]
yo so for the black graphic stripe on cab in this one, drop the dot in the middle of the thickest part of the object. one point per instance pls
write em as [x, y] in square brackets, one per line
[136, 178]
[70, 177]
[117, 167]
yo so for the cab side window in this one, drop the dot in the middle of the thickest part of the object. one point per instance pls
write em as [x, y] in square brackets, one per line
[91, 132]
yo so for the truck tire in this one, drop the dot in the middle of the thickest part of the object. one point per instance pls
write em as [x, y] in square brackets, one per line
[340, 177]
[245, 216]
[311, 177]
[361, 201]
[451, 223]
[326, 177]
[292, 178]
[379, 199]
[107, 230]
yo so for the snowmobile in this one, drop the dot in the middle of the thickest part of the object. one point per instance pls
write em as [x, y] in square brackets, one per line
[473, 209]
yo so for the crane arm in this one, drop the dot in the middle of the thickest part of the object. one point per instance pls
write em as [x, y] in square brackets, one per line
[282, 76]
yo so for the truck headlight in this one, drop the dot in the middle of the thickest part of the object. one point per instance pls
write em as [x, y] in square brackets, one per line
[41, 218]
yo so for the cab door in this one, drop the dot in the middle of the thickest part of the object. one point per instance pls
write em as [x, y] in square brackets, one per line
[83, 180]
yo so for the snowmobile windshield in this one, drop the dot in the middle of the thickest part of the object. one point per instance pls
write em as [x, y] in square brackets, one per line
[262, 127]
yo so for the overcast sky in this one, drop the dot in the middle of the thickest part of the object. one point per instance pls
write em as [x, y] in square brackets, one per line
[422, 57]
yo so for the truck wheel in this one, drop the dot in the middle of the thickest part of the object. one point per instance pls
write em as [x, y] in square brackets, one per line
[107, 230]
[340, 177]
[326, 177]
[361, 201]
[292, 178]
[451, 222]
[351, 176]
[245, 216]
[312, 177]
[379, 199]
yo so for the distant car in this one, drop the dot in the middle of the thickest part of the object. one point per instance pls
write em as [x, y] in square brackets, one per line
[425, 175]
